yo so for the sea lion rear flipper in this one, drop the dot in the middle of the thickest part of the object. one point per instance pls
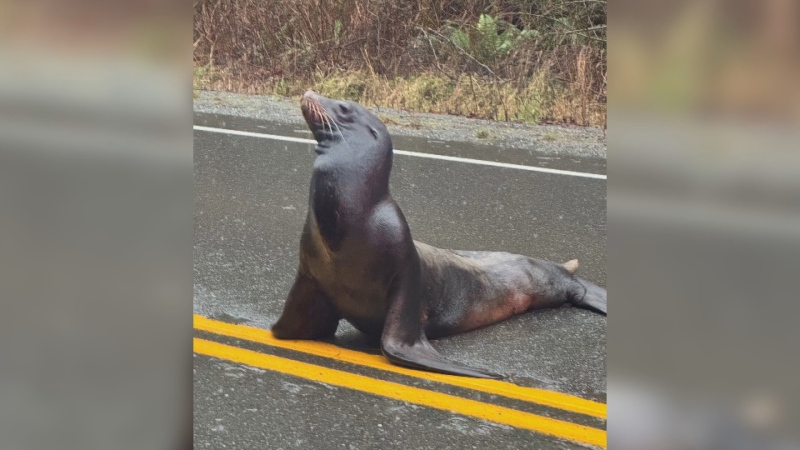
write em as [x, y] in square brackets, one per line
[590, 296]
[307, 314]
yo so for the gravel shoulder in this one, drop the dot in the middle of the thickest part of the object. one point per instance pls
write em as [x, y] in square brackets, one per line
[542, 139]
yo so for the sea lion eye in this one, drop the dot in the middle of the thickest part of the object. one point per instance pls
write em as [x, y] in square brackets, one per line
[344, 109]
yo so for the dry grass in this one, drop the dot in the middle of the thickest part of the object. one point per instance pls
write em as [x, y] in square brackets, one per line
[538, 102]
[406, 55]
[482, 134]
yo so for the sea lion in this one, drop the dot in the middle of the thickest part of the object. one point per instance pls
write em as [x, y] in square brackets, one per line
[358, 261]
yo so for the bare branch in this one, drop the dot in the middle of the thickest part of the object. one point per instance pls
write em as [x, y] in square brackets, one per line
[435, 57]
[466, 53]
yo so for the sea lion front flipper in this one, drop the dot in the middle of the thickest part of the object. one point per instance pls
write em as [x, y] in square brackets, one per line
[307, 314]
[404, 342]
[421, 355]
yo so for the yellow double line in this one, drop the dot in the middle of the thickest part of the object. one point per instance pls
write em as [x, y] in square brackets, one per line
[497, 414]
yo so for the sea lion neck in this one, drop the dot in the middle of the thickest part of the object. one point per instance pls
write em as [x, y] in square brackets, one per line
[352, 176]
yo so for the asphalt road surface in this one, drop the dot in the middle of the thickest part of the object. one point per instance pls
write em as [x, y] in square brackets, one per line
[251, 196]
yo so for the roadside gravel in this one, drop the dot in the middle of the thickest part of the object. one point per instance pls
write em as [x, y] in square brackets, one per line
[543, 139]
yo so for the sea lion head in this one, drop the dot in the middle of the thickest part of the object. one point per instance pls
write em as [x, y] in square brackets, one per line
[335, 122]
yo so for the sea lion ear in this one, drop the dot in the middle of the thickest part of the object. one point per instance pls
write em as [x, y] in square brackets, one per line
[374, 132]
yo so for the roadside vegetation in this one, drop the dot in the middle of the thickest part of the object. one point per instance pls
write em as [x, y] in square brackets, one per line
[514, 60]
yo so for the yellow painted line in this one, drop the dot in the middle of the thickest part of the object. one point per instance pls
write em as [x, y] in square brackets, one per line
[446, 402]
[325, 350]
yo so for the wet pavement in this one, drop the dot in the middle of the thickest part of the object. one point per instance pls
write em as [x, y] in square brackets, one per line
[250, 204]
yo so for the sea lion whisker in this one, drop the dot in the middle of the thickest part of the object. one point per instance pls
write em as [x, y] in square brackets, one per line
[340, 133]
[325, 119]
[315, 108]
[331, 122]
[319, 114]
[328, 121]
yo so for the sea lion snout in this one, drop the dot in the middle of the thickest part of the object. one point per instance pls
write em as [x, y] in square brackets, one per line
[310, 95]
[313, 111]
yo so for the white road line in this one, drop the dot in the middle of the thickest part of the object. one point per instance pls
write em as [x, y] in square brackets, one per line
[408, 153]
[255, 135]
